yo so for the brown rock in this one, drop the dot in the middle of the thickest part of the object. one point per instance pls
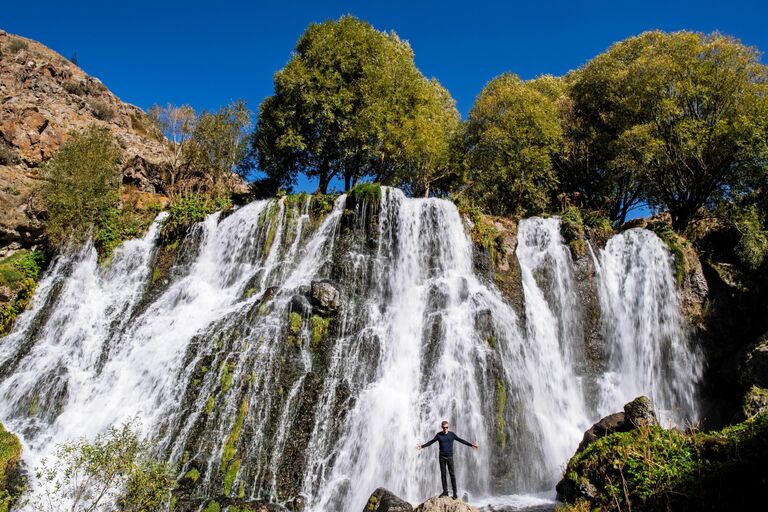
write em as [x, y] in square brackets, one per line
[438, 504]
[383, 500]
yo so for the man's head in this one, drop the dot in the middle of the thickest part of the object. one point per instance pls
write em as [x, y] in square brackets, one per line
[444, 426]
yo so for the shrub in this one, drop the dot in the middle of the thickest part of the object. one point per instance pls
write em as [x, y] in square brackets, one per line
[187, 210]
[20, 272]
[77, 88]
[7, 155]
[101, 110]
[116, 466]
[81, 185]
[17, 45]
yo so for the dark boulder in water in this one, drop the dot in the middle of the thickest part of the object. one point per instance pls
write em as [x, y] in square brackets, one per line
[383, 500]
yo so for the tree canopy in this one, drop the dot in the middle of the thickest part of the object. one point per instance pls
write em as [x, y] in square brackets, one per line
[344, 106]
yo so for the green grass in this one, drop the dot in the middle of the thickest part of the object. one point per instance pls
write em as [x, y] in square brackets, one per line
[19, 272]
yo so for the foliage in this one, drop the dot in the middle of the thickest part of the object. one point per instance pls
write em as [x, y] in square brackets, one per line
[501, 407]
[674, 118]
[92, 475]
[186, 210]
[20, 272]
[10, 455]
[365, 193]
[217, 148]
[511, 134]
[657, 469]
[81, 185]
[17, 45]
[352, 103]
[177, 123]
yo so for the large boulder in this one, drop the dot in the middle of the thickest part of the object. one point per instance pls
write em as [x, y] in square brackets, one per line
[445, 504]
[383, 500]
[325, 297]
[753, 367]
[637, 413]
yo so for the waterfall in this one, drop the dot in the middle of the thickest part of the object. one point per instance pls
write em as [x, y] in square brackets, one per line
[647, 344]
[234, 370]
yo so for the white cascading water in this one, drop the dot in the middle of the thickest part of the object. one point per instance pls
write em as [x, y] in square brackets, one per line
[420, 338]
[648, 350]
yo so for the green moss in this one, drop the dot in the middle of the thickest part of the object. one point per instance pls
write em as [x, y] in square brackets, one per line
[234, 436]
[501, 406]
[186, 211]
[319, 329]
[571, 225]
[230, 475]
[675, 245]
[294, 322]
[213, 506]
[373, 503]
[482, 233]
[209, 405]
[226, 376]
[492, 341]
[192, 475]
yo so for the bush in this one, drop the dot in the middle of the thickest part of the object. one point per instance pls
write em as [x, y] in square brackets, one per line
[77, 88]
[17, 45]
[675, 245]
[7, 155]
[101, 110]
[115, 467]
[10, 455]
[188, 210]
[81, 185]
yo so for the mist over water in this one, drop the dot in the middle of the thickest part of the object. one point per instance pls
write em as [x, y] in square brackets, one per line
[328, 408]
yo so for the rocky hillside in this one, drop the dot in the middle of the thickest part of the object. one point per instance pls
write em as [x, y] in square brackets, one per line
[43, 97]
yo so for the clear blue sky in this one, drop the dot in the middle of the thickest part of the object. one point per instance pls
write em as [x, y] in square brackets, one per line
[209, 53]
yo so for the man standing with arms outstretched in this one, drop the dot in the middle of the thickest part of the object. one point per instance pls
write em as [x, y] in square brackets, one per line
[446, 439]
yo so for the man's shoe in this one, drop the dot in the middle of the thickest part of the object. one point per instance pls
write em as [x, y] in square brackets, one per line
[445, 494]
[455, 497]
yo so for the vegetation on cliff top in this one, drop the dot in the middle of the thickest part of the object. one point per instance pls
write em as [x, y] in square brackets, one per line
[651, 468]
[18, 277]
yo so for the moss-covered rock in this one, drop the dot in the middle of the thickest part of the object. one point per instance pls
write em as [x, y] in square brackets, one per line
[651, 468]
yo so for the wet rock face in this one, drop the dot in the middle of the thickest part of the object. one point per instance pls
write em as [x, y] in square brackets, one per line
[383, 500]
[755, 402]
[325, 297]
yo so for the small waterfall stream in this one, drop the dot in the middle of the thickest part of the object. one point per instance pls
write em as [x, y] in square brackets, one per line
[233, 369]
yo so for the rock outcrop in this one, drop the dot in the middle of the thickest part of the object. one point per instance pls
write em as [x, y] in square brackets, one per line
[43, 97]
[753, 366]
[325, 297]
[637, 413]
[383, 500]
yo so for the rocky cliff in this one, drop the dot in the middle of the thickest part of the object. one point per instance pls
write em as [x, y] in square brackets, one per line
[43, 97]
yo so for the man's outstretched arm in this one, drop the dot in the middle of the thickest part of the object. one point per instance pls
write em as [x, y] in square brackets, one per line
[420, 446]
[473, 445]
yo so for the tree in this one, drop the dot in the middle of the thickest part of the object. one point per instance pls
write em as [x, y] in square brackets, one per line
[420, 143]
[81, 184]
[218, 147]
[671, 115]
[115, 468]
[511, 134]
[344, 87]
[178, 124]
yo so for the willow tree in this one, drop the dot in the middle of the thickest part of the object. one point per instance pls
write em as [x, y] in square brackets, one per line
[336, 102]
[511, 135]
[672, 116]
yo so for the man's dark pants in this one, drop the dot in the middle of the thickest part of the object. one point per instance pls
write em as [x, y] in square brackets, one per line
[447, 461]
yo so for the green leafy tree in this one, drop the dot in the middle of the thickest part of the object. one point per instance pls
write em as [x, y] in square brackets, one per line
[81, 184]
[420, 144]
[115, 468]
[668, 117]
[335, 103]
[217, 149]
[511, 134]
